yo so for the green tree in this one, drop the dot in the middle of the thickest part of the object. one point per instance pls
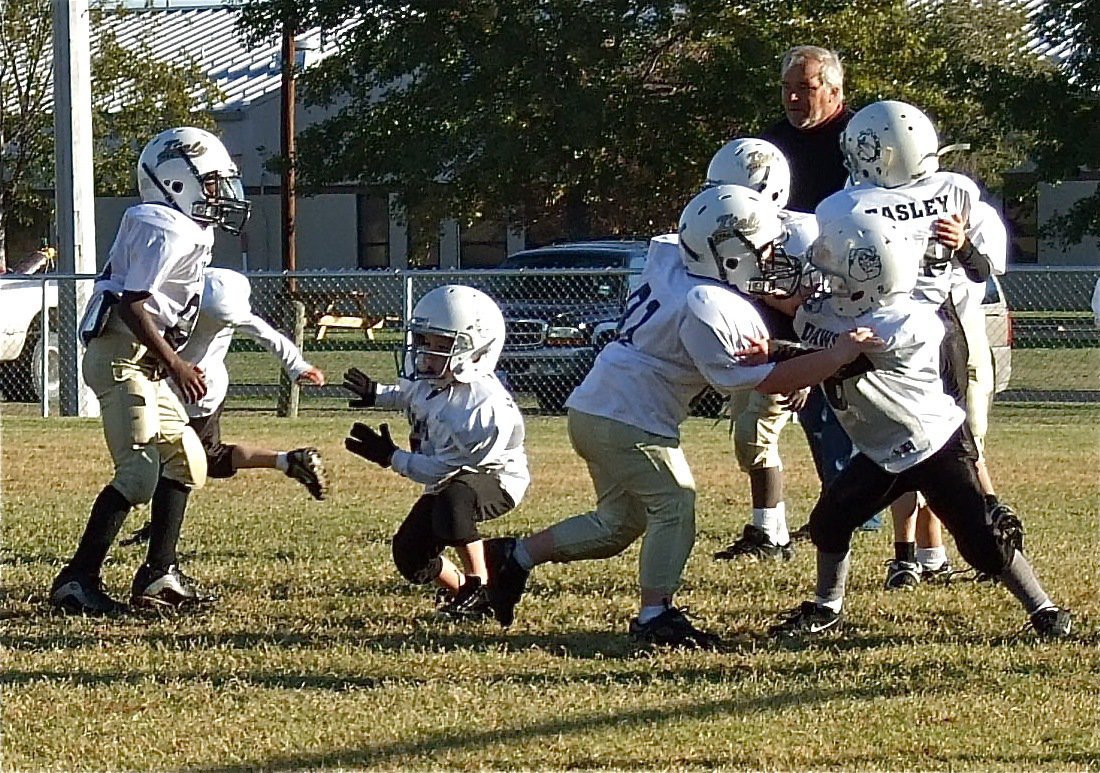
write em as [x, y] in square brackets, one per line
[134, 96]
[1073, 29]
[592, 116]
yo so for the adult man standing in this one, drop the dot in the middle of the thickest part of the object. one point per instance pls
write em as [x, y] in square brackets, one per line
[809, 135]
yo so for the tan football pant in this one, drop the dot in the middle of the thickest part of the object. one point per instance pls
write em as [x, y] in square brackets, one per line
[979, 384]
[757, 419]
[144, 423]
[643, 486]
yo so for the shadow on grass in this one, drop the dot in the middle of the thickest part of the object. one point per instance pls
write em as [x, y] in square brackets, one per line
[429, 748]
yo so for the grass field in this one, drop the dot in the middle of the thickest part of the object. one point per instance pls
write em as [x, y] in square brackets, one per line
[320, 656]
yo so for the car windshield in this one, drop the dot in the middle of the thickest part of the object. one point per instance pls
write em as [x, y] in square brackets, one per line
[565, 288]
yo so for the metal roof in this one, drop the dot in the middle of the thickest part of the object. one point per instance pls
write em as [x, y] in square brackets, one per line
[210, 38]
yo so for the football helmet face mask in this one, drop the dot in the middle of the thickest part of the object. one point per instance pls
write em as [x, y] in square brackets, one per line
[732, 234]
[456, 333]
[754, 164]
[889, 144]
[862, 262]
[190, 170]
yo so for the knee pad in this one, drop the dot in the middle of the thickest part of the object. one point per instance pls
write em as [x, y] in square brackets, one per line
[412, 563]
[756, 433]
[454, 515]
[137, 473]
[185, 459]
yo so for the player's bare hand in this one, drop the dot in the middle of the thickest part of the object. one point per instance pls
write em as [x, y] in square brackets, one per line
[313, 376]
[756, 353]
[795, 401]
[950, 231]
[190, 379]
[857, 341]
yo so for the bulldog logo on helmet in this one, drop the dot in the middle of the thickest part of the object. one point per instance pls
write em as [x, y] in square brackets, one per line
[864, 263]
[868, 146]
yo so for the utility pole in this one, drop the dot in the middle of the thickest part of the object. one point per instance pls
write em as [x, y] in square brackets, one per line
[75, 191]
[288, 146]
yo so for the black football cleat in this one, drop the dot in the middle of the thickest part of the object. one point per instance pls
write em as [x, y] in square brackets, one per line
[166, 590]
[754, 544]
[507, 579]
[306, 466]
[80, 594]
[809, 620]
[470, 602]
[1052, 623]
[672, 628]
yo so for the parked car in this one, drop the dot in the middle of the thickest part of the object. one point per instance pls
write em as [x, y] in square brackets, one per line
[998, 326]
[22, 348]
[557, 323]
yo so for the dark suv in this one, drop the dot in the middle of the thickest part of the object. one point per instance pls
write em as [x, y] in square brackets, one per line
[557, 323]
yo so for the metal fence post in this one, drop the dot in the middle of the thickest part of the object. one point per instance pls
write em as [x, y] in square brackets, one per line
[290, 392]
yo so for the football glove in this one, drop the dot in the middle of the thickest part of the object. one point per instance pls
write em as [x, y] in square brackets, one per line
[1007, 527]
[373, 446]
[363, 386]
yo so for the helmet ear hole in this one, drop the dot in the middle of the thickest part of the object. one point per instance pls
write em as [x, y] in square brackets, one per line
[732, 263]
[176, 186]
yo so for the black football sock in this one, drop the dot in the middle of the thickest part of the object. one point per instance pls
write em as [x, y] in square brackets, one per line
[165, 521]
[905, 551]
[109, 511]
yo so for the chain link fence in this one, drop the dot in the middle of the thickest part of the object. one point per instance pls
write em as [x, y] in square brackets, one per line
[556, 322]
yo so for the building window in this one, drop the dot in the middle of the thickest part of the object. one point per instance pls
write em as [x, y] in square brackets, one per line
[484, 244]
[374, 231]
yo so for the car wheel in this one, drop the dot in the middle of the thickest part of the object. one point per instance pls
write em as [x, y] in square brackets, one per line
[22, 381]
[53, 368]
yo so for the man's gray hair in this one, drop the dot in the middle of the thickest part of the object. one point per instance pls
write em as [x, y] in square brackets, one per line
[832, 71]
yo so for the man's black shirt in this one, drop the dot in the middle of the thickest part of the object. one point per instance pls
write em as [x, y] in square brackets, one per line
[817, 165]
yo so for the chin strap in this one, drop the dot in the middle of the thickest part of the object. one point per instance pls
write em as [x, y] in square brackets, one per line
[950, 148]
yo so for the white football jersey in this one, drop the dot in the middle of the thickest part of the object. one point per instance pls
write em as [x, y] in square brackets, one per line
[473, 427]
[161, 251]
[224, 311]
[988, 234]
[678, 334]
[897, 414]
[913, 207]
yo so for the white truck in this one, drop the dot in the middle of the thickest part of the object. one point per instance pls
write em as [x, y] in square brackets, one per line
[25, 294]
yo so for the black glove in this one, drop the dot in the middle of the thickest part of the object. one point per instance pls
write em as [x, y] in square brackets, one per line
[373, 446]
[363, 385]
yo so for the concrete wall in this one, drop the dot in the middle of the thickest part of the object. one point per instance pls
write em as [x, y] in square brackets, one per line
[1058, 198]
[326, 233]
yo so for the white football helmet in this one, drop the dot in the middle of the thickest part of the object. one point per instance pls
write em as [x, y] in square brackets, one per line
[889, 144]
[474, 326]
[190, 170]
[865, 262]
[755, 164]
[736, 236]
